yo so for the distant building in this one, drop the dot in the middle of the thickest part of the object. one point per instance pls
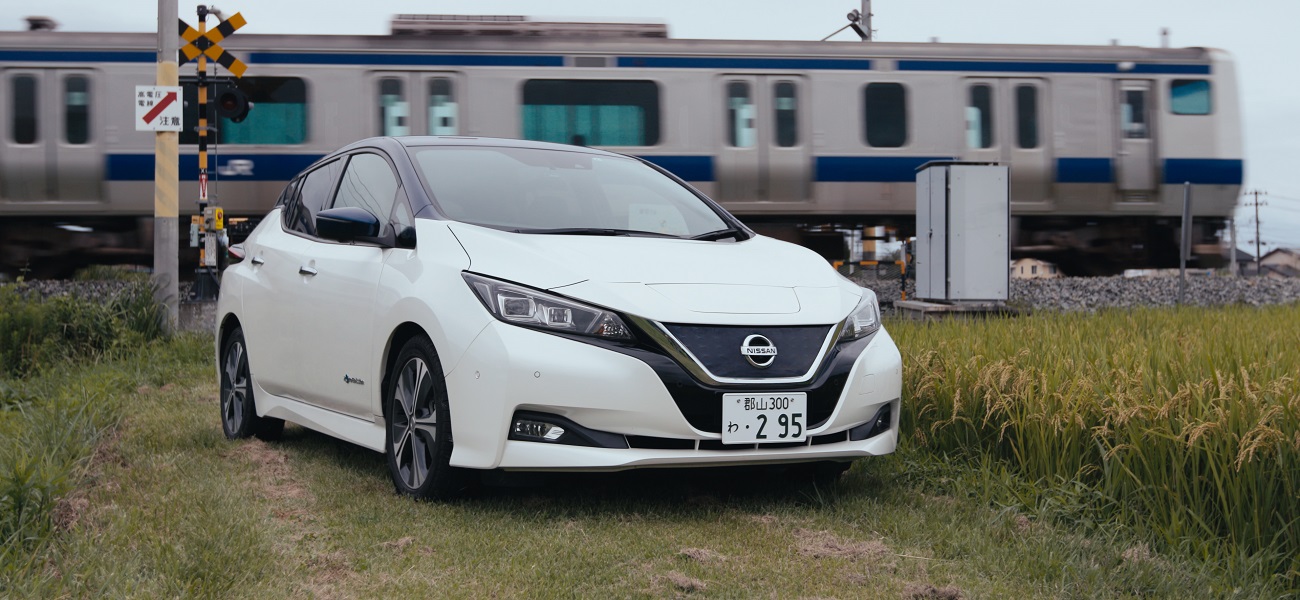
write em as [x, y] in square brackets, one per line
[1282, 262]
[1033, 268]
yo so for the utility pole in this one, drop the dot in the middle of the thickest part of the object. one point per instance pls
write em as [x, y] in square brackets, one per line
[166, 179]
[1258, 268]
[866, 20]
[1232, 245]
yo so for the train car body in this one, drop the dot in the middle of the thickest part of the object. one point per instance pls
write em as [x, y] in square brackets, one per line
[1099, 139]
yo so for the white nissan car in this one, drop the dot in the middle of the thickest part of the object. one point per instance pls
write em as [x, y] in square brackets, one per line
[462, 304]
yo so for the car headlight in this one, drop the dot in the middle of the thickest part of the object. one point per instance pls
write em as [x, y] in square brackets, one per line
[527, 307]
[864, 320]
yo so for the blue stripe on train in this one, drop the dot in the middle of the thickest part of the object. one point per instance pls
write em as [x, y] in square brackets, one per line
[266, 167]
[880, 169]
[1214, 171]
[438, 60]
[1049, 67]
[690, 168]
[78, 56]
[1084, 170]
[705, 62]
[870, 168]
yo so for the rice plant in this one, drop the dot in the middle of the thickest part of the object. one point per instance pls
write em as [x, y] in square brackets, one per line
[1186, 421]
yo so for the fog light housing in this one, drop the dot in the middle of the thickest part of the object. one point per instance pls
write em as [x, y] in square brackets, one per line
[878, 424]
[537, 430]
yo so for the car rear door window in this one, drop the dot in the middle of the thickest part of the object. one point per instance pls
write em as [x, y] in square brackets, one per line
[315, 193]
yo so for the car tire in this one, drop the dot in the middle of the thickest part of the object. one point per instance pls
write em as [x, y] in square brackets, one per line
[417, 438]
[238, 407]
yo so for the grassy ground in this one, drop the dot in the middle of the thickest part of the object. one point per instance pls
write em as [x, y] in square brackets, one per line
[165, 507]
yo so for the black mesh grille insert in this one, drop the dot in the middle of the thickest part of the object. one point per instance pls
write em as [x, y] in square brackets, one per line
[718, 348]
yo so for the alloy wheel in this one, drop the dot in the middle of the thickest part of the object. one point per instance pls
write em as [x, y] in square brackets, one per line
[413, 428]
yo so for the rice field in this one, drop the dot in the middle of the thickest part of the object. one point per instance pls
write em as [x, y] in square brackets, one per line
[1182, 425]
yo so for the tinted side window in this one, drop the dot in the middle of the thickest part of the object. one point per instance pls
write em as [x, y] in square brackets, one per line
[369, 183]
[787, 122]
[740, 115]
[1189, 97]
[979, 117]
[591, 113]
[314, 195]
[76, 109]
[23, 107]
[1027, 116]
[393, 108]
[886, 114]
[287, 196]
[442, 107]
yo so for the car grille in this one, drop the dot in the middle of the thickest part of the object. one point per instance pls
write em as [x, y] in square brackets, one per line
[717, 348]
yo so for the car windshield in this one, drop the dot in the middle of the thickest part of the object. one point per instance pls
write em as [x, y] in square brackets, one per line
[554, 191]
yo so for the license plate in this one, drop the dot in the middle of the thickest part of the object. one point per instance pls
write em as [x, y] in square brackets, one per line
[764, 418]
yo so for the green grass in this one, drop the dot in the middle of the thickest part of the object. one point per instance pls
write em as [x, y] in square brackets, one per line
[38, 334]
[159, 504]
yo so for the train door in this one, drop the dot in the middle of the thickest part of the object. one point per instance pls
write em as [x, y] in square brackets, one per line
[1136, 147]
[419, 103]
[765, 152]
[50, 148]
[1004, 123]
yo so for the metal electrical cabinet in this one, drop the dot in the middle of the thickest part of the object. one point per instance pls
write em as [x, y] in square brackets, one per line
[963, 249]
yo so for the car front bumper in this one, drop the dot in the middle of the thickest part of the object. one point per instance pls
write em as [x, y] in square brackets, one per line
[625, 393]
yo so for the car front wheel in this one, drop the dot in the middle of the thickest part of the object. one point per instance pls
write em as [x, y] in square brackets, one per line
[418, 439]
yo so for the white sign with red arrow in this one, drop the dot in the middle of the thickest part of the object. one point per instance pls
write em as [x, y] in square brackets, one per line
[158, 108]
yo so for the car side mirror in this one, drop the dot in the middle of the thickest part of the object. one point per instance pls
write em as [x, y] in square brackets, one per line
[346, 223]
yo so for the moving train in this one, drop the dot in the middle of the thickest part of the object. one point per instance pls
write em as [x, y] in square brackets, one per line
[794, 137]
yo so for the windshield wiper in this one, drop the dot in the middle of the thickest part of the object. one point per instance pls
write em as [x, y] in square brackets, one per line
[594, 231]
[721, 234]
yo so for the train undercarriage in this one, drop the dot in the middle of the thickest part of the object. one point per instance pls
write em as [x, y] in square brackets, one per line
[51, 248]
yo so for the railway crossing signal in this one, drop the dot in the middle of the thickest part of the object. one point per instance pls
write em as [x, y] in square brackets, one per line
[206, 44]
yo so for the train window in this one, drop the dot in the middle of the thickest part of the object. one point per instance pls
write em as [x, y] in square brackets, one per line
[740, 115]
[369, 183]
[1189, 97]
[1027, 116]
[312, 197]
[24, 109]
[1134, 114]
[442, 107]
[591, 112]
[76, 109]
[278, 115]
[979, 116]
[885, 105]
[787, 123]
[393, 108]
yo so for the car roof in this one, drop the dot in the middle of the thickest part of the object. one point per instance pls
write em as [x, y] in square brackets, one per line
[417, 141]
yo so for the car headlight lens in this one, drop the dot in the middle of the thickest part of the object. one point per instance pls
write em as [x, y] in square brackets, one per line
[519, 305]
[864, 320]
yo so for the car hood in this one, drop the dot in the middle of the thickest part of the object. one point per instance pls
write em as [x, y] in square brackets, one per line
[757, 281]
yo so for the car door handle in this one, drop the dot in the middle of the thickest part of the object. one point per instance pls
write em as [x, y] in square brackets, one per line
[257, 260]
[305, 270]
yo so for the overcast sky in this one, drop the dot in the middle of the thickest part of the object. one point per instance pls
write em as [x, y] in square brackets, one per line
[1261, 35]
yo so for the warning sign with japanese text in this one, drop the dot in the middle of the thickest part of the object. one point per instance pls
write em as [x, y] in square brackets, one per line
[158, 108]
